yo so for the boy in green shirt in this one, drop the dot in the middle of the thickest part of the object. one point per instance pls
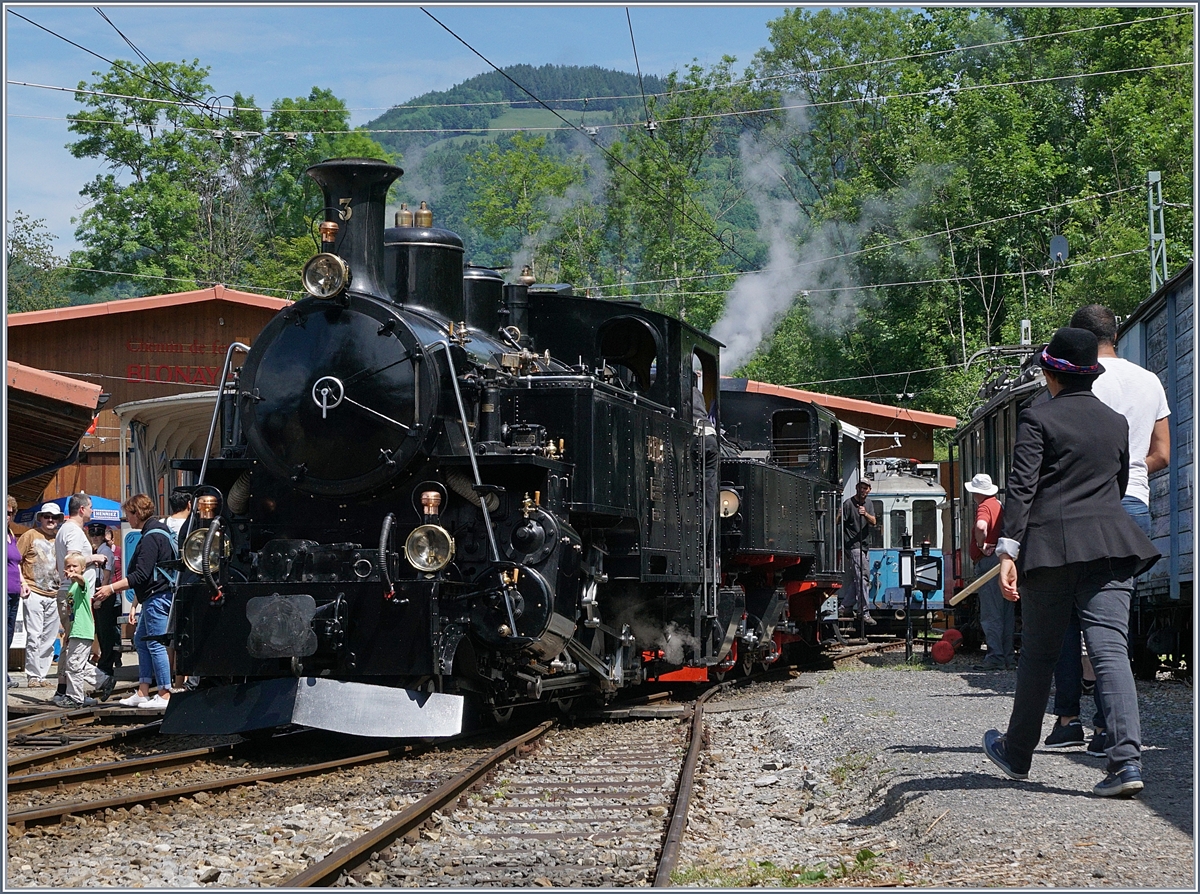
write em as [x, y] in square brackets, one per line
[81, 638]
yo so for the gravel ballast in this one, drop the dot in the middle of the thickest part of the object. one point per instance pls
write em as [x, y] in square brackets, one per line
[873, 774]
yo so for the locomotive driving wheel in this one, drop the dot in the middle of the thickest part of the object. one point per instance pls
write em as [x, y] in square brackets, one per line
[746, 663]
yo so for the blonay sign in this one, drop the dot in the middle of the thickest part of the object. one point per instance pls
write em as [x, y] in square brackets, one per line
[195, 363]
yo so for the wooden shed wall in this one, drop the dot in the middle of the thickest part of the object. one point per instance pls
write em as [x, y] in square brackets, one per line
[133, 356]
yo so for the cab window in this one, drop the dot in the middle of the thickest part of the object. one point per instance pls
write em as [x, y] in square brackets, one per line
[897, 526]
[876, 530]
[925, 522]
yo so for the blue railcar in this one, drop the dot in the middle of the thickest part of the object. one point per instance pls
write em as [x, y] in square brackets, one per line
[908, 498]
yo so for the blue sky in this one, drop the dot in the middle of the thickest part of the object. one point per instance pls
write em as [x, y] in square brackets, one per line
[372, 56]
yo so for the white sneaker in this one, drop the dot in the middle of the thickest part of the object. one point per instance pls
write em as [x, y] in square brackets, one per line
[134, 700]
[158, 703]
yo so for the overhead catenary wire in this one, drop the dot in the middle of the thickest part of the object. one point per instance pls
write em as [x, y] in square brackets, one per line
[114, 64]
[896, 242]
[678, 91]
[163, 81]
[567, 125]
[617, 290]
[638, 65]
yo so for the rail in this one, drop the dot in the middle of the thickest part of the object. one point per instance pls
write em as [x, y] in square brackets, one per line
[683, 795]
[328, 870]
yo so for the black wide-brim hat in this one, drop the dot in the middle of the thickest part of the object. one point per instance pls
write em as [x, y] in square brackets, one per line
[1073, 351]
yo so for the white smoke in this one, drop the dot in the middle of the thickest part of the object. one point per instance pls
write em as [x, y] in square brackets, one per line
[812, 263]
[758, 300]
[676, 644]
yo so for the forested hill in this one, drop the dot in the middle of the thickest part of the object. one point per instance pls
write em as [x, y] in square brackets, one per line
[550, 83]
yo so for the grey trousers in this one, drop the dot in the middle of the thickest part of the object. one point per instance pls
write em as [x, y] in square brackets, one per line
[857, 581]
[1100, 592]
[997, 616]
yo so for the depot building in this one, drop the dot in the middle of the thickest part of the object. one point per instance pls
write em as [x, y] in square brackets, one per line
[134, 349]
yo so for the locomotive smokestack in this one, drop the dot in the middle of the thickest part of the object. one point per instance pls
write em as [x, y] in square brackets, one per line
[355, 195]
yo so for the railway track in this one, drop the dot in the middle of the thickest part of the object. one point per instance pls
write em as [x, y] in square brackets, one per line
[581, 806]
[251, 799]
[52, 796]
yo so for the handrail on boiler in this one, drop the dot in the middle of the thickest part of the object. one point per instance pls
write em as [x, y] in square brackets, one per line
[212, 426]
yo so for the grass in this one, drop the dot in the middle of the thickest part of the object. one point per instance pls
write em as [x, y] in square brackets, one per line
[528, 118]
[766, 874]
[754, 875]
[848, 765]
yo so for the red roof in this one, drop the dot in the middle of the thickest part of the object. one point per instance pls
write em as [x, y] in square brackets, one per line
[130, 305]
[852, 404]
[52, 386]
[47, 415]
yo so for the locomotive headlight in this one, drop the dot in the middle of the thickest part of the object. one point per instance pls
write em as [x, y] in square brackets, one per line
[429, 548]
[325, 275]
[730, 503]
[193, 549]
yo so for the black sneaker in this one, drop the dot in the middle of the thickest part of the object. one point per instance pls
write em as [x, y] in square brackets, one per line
[1067, 736]
[105, 689]
[1124, 783]
[989, 666]
[1098, 747]
[868, 620]
[995, 746]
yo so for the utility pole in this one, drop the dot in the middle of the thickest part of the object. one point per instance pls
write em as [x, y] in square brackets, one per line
[1158, 236]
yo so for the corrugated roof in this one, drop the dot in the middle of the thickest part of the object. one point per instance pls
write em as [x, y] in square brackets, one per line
[47, 415]
[851, 404]
[152, 302]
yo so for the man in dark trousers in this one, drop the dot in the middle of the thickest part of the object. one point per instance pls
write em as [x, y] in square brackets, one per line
[857, 521]
[1066, 541]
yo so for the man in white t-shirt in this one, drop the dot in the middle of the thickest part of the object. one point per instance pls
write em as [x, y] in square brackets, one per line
[1138, 395]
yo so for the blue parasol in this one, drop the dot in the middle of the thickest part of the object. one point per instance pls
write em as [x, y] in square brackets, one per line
[103, 511]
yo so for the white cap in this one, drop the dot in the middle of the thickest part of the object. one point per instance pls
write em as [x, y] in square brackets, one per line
[50, 509]
[981, 484]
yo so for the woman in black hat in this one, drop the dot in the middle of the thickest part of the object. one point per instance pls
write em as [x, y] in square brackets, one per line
[1067, 541]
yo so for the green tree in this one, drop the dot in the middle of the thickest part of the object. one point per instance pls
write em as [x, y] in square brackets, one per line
[144, 217]
[198, 195]
[35, 278]
[517, 187]
[662, 210]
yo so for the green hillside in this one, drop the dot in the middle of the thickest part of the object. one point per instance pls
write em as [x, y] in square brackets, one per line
[563, 87]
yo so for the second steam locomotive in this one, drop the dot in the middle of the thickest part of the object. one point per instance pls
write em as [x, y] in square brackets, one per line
[436, 493]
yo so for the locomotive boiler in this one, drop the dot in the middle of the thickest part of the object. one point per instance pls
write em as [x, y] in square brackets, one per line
[437, 493]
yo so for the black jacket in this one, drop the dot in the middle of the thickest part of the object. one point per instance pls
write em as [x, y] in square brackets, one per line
[147, 555]
[1063, 496]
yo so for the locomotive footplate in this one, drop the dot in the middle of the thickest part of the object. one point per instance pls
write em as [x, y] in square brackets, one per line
[358, 709]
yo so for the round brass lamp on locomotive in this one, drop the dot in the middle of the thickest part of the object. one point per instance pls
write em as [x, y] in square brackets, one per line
[429, 548]
[325, 275]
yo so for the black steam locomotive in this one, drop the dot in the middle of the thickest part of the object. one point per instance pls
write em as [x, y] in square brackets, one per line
[434, 488]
